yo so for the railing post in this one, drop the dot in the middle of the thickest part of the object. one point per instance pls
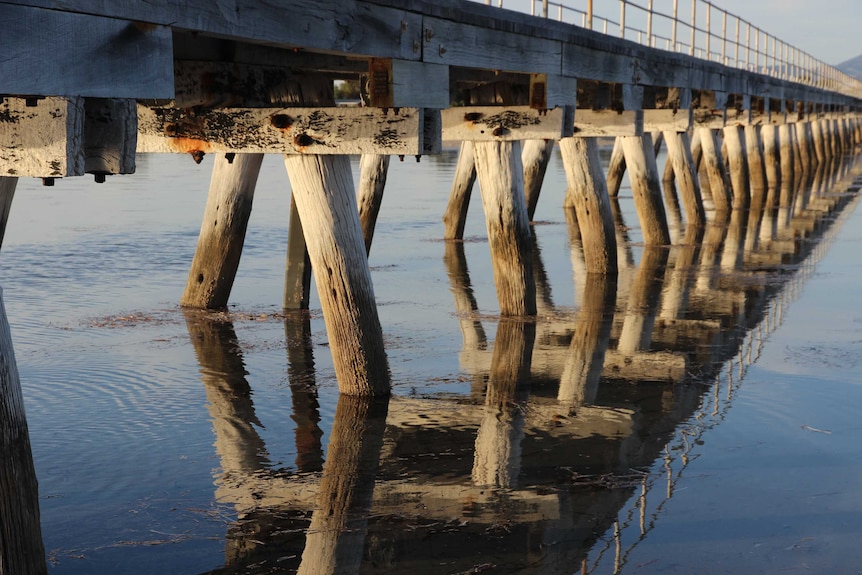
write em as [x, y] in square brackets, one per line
[736, 45]
[673, 26]
[589, 14]
[708, 31]
[544, 8]
[693, 27]
[622, 19]
[649, 24]
[724, 38]
[748, 46]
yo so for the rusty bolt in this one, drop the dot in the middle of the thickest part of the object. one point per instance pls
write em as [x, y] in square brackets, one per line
[282, 121]
[303, 140]
[198, 156]
[229, 157]
[473, 116]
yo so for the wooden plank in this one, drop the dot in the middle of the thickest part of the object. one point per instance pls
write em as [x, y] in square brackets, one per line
[601, 123]
[44, 140]
[458, 44]
[344, 26]
[324, 131]
[53, 53]
[504, 123]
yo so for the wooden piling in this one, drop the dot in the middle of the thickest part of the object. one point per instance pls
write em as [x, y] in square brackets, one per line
[771, 163]
[535, 157]
[754, 155]
[373, 169]
[819, 138]
[326, 204]
[21, 548]
[680, 158]
[297, 274]
[459, 198]
[646, 188]
[225, 220]
[616, 168]
[714, 167]
[738, 161]
[588, 194]
[501, 183]
[7, 193]
[807, 155]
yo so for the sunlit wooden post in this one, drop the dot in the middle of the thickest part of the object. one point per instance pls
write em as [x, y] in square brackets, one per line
[616, 168]
[535, 157]
[646, 188]
[714, 167]
[459, 198]
[7, 192]
[21, 548]
[819, 140]
[680, 158]
[736, 156]
[335, 539]
[222, 234]
[501, 183]
[373, 169]
[326, 204]
[589, 195]
[771, 162]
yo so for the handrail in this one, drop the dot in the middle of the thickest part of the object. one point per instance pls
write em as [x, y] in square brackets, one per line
[707, 32]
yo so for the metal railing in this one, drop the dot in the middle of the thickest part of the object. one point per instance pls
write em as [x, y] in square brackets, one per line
[700, 29]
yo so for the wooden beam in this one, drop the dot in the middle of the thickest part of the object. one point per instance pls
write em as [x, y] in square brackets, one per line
[110, 136]
[502, 123]
[604, 123]
[57, 53]
[402, 83]
[326, 131]
[42, 138]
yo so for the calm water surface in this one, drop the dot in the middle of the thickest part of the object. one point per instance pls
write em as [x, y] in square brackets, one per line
[188, 443]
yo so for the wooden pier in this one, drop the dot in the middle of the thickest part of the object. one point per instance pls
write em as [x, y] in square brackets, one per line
[87, 85]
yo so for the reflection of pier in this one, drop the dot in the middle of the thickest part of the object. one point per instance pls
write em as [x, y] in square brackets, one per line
[554, 457]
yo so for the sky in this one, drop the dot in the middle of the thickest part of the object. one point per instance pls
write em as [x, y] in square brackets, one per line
[829, 30]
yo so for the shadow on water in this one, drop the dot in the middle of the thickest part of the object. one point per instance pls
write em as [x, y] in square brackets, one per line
[571, 439]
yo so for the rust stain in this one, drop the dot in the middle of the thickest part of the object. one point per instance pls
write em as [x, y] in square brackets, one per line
[189, 145]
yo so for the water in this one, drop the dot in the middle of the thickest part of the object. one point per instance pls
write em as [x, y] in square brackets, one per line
[172, 442]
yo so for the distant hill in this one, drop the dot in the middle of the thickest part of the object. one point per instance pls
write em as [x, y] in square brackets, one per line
[852, 67]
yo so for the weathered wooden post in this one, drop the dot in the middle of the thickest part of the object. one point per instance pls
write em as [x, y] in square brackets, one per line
[459, 199]
[326, 204]
[714, 167]
[21, 548]
[819, 137]
[7, 192]
[225, 220]
[616, 168]
[737, 158]
[535, 157]
[373, 169]
[501, 182]
[646, 188]
[680, 158]
[589, 195]
[297, 270]
[335, 540]
[583, 368]
[497, 459]
[807, 154]
[771, 162]
[756, 169]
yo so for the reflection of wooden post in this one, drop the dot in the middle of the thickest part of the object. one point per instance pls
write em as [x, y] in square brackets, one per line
[7, 192]
[336, 536]
[589, 195]
[459, 199]
[222, 233]
[372, 181]
[535, 157]
[297, 275]
[497, 460]
[240, 447]
[736, 157]
[646, 188]
[303, 393]
[714, 166]
[501, 183]
[323, 190]
[731, 255]
[679, 157]
[642, 305]
[583, 369]
[675, 297]
[21, 548]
